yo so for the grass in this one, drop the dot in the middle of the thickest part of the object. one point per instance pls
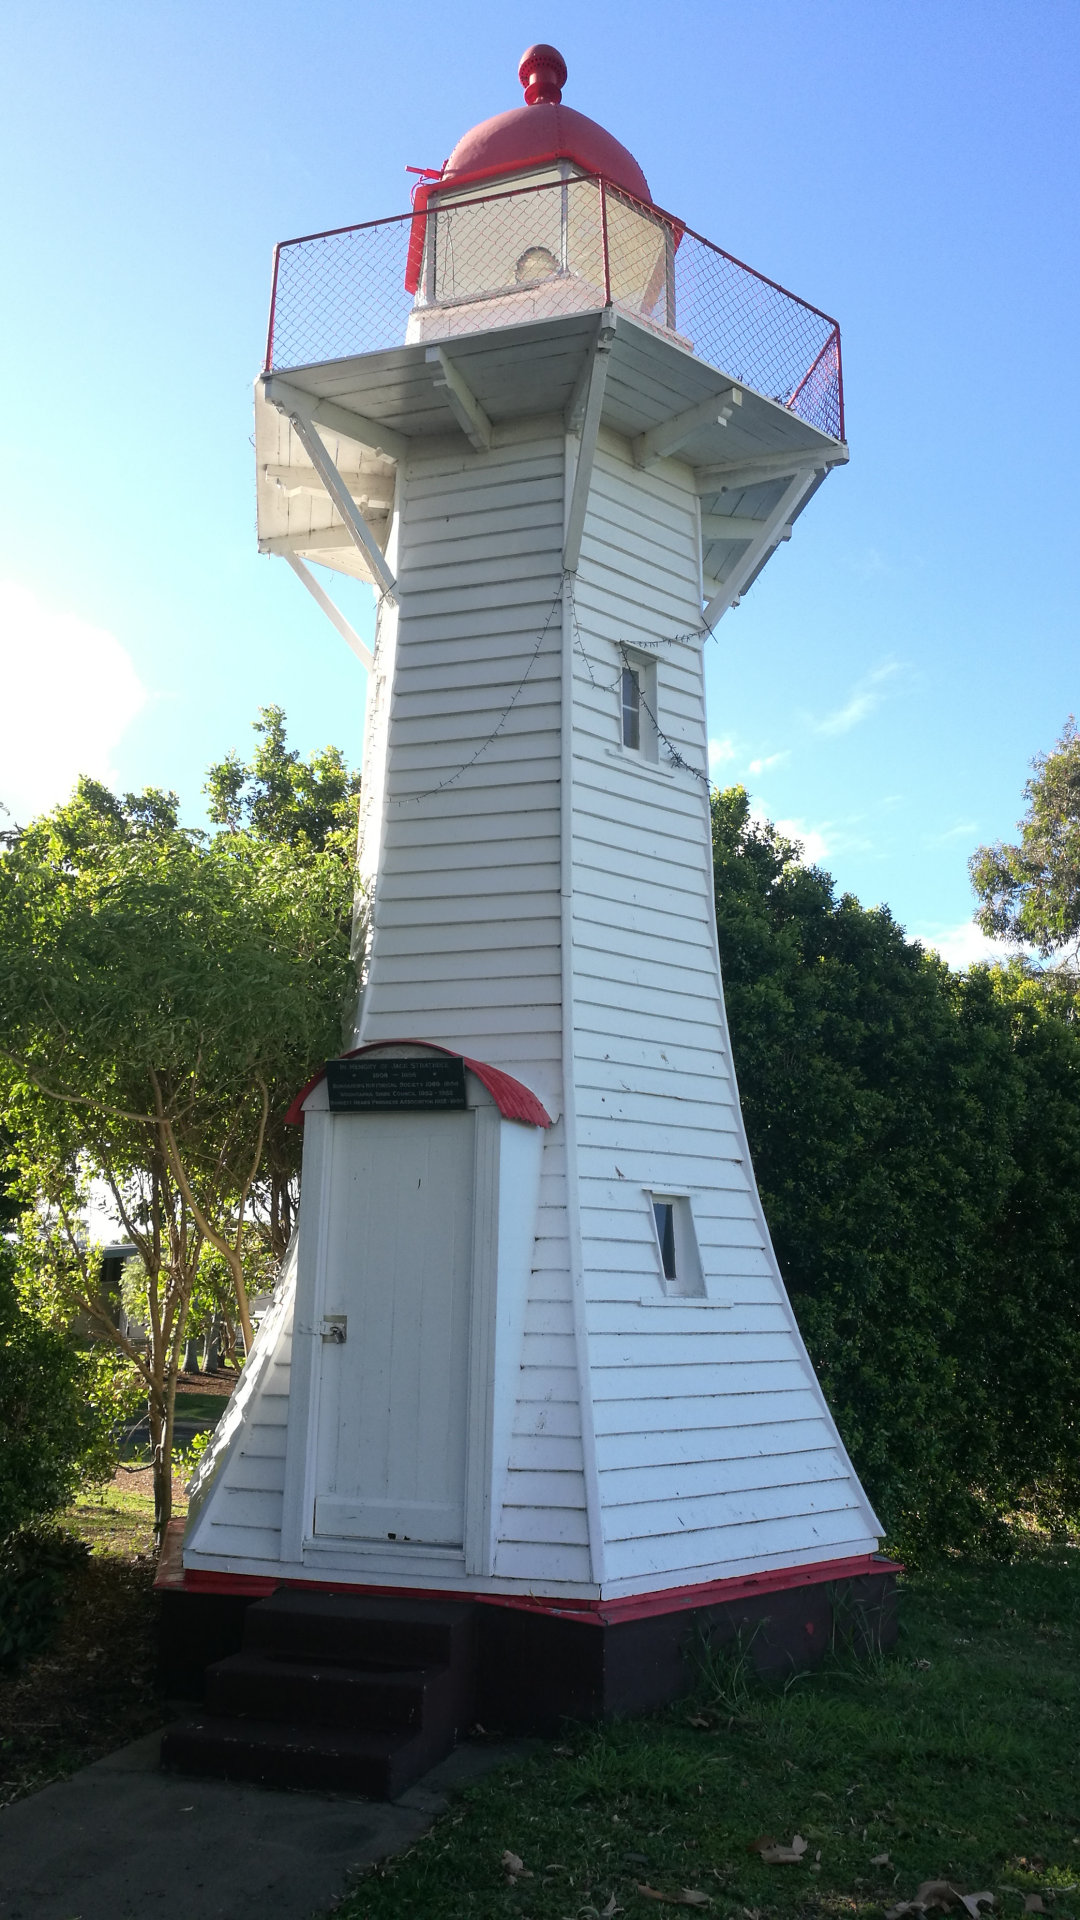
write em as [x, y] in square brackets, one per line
[201, 1406]
[957, 1756]
[93, 1688]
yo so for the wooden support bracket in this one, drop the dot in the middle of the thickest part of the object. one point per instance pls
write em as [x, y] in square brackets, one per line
[461, 399]
[590, 429]
[769, 466]
[363, 538]
[771, 531]
[670, 435]
[729, 526]
[326, 413]
[370, 490]
[337, 619]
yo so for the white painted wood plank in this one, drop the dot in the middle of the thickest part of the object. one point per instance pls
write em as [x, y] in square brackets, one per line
[543, 1489]
[632, 1453]
[639, 1165]
[692, 1487]
[557, 1526]
[740, 1405]
[546, 1564]
[494, 992]
[548, 1316]
[446, 830]
[250, 1472]
[710, 1346]
[248, 1507]
[230, 1541]
[273, 1409]
[756, 1506]
[521, 933]
[498, 963]
[545, 1453]
[668, 1136]
[262, 1442]
[685, 1317]
[683, 1382]
[537, 1415]
[781, 1540]
[548, 1350]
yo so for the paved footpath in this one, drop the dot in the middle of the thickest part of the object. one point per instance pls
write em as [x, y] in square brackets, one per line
[123, 1841]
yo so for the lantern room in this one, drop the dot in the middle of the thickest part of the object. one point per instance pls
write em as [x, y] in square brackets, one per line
[538, 212]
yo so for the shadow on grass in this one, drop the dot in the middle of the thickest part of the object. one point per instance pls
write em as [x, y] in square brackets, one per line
[92, 1688]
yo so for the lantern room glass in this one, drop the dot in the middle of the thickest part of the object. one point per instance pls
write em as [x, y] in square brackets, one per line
[535, 251]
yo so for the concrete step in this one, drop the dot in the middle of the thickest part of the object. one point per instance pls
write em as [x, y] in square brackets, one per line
[338, 1629]
[275, 1754]
[376, 1699]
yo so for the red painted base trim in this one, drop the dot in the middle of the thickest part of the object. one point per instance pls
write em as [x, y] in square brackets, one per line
[174, 1577]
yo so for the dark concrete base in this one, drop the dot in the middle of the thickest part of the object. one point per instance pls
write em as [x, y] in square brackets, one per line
[537, 1669]
[538, 1666]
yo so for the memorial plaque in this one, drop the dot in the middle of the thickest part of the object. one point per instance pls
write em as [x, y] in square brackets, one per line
[396, 1086]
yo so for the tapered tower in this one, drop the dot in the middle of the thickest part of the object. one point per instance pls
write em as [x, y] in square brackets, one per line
[533, 1345]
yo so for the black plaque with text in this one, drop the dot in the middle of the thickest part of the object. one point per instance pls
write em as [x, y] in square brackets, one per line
[396, 1086]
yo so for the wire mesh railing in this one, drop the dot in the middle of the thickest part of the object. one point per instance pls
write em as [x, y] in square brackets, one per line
[465, 261]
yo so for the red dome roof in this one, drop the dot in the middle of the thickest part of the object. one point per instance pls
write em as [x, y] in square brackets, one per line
[544, 131]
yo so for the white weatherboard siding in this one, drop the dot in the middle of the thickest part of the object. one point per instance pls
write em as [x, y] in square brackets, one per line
[714, 1452]
[543, 901]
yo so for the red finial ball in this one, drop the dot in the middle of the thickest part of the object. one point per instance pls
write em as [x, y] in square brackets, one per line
[542, 72]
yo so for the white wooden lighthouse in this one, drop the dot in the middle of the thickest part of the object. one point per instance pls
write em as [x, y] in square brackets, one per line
[533, 1343]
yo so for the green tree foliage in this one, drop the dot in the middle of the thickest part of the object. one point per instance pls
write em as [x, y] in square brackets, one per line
[56, 1415]
[1030, 892]
[279, 800]
[916, 1138]
[163, 994]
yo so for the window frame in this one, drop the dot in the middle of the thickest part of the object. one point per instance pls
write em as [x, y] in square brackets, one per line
[643, 666]
[687, 1279]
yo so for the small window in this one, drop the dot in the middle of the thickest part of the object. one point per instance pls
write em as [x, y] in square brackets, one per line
[681, 1271]
[631, 708]
[664, 1214]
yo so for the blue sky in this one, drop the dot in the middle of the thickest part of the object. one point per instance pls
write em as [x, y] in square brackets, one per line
[911, 169]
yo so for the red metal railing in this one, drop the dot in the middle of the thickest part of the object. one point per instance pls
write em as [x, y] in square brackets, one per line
[534, 253]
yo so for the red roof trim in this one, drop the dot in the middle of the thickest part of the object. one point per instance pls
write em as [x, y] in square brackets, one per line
[514, 1100]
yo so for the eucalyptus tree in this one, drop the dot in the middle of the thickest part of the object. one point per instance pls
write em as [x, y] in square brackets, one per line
[1030, 890]
[163, 993]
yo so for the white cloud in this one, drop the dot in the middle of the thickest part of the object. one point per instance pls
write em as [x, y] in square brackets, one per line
[963, 830]
[961, 947]
[68, 692]
[812, 840]
[769, 760]
[865, 697]
[815, 847]
[720, 751]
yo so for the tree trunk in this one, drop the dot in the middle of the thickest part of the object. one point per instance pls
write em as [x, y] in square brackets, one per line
[162, 1406]
[236, 1268]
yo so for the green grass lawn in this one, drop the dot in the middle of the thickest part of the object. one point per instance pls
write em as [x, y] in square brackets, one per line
[201, 1406]
[956, 1757]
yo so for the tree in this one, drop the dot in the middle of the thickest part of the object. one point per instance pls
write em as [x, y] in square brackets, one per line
[162, 995]
[1030, 892]
[55, 1415]
[279, 800]
[916, 1138]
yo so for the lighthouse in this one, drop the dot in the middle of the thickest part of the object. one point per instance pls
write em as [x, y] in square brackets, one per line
[532, 1355]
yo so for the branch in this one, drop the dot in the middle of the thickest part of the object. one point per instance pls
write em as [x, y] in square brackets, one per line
[74, 1099]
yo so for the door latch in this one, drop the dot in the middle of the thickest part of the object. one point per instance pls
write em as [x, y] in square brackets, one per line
[334, 1328]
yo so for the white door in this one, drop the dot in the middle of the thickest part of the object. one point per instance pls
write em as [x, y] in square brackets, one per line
[393, 1394]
